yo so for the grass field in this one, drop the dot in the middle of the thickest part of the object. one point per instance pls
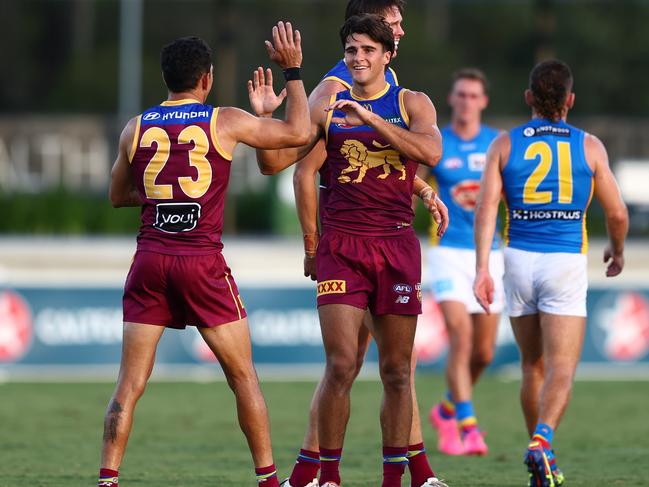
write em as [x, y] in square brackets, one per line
[186, 434]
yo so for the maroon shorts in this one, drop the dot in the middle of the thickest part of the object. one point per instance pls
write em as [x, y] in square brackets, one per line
[382, 274]
[181, 290]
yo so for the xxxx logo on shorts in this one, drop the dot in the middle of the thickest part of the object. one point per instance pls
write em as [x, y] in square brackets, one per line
[332, 287]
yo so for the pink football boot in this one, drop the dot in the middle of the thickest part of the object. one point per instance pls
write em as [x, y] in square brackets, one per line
[474, 443]
[448, 435]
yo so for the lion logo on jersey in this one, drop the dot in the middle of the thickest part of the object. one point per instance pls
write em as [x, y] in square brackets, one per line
[361, 159]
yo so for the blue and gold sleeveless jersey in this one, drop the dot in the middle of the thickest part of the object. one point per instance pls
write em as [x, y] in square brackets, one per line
[457, 177]
[341, 74]
[548, 186]
[371, 183]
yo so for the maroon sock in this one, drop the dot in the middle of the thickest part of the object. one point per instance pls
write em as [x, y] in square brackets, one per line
[330, 465]
[267, 476]
[420, 469]
[395, 460]
[108, 478]
[306, 468]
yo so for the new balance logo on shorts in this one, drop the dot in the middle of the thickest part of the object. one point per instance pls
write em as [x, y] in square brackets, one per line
[402, 299]
[332, 287]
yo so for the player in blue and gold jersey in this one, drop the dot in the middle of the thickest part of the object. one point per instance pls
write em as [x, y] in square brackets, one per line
[548, 171]
[451, 266]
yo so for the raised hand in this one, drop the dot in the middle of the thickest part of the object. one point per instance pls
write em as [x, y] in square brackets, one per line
[286, 48]
[263, 99]
[355, 114]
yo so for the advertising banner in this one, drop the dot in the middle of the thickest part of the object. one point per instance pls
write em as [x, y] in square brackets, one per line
[77, 328]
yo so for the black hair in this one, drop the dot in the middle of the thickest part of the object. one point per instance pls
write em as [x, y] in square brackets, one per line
[360, 7]
[183, 62]
[374, 26]
[550, 82]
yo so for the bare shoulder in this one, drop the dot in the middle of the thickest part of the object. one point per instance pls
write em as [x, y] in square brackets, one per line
[128, 133]
[593, 145]
[500, 149]
[326, 88]
[230, 114]
[415, 98]
[595, 152]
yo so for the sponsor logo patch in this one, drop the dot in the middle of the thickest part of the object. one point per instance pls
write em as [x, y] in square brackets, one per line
[332, 287]
[465, 193]
[536, 215]
[546, 130]
[177, 217]
[402, 299]
[151, 116]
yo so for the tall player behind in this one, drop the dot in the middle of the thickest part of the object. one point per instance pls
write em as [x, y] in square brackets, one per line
[339, 79]
[369, 256]
[451, 265]
[174, 161]
[548, 171]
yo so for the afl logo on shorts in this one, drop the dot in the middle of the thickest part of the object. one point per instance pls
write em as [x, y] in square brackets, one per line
[431, 339]
[151, 116]
[465, 194]
[402, 288]
[621, 331]
[15, 326]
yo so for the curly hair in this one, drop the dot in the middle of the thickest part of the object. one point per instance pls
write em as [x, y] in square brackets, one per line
[374, 26]
[183, 62]
[360, 7]
[551, 83]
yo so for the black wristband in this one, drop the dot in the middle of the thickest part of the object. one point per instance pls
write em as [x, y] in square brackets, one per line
[292, 74]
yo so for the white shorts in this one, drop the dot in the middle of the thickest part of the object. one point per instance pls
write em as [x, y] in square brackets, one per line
[553, 282]
[451, 272]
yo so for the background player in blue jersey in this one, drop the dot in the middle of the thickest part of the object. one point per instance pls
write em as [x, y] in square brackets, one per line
[451, 265]
[336, 80]
[548, 171]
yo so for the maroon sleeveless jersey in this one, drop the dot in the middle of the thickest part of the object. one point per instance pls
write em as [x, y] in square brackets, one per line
[182, 174]
[370, 183]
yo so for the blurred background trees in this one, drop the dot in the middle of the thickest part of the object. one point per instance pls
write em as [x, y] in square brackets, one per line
[60, 95]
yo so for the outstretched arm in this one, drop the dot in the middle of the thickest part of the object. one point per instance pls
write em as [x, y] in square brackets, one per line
[486, 213]
[608, 194]
[422, 142]
[122, 190]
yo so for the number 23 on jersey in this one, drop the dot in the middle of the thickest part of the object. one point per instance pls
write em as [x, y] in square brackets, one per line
[194, 188]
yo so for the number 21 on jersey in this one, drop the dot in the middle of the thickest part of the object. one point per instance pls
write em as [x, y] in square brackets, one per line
[543, 151]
